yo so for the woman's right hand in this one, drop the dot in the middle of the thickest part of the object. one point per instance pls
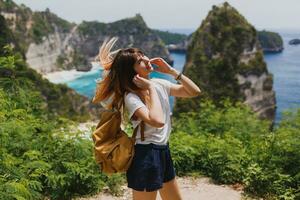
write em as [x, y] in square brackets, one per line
[141, 82]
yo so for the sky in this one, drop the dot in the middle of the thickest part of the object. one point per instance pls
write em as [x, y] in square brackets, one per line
[170, 14]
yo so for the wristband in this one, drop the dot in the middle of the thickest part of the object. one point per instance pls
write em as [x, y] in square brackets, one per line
[178, 77]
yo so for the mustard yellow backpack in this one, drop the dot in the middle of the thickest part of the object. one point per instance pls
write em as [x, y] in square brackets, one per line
[113, 148]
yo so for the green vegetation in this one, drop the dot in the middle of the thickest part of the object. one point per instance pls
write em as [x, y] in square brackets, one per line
[259, 62]
[169, 37]
[232, 145]
[40, 27]
[270, 40]
[77, 59]
[22, 14]
[40, 154]
[6, 36]
[132, 25]
[7, 5]
[59, 99]
[44, 23]
[92, 28]
[61, 60]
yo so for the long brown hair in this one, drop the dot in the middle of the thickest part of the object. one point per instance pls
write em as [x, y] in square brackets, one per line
[118, 74]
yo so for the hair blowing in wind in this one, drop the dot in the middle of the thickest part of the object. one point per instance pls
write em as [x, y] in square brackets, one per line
[105, 56]
[118, 72]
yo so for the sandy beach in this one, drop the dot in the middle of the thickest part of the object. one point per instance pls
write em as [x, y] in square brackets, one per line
[64, 76]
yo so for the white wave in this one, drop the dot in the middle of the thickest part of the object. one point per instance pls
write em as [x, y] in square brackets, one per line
[69, 75]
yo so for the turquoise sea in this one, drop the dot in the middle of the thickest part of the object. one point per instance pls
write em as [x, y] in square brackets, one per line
[86, 84]
[284, 66]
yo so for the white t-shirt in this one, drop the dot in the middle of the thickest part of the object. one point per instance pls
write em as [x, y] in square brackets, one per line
[152, 134]
[106, 102]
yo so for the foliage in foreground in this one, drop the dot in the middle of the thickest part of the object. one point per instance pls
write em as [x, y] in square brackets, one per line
[232, 145]
[41, 155]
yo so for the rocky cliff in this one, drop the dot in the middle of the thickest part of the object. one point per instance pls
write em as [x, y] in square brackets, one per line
[51, 43]
[58, 99]
[225, 60]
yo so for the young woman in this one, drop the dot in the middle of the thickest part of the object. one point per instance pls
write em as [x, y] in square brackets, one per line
[126, 85]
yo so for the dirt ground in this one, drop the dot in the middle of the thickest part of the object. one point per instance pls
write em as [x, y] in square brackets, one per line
[191, 188]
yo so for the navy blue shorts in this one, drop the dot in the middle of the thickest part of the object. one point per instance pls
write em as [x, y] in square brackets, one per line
[151, 166]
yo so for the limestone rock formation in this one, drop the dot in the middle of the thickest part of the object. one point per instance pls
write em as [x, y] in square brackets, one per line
[225, 60]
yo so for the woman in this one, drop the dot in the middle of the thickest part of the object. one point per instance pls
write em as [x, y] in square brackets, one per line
[126, 86]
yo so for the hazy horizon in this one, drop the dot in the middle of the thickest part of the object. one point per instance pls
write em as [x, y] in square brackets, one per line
[166, 15]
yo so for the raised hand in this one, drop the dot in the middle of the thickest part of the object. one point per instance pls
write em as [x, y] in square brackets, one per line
[163, 66]
[141, 82]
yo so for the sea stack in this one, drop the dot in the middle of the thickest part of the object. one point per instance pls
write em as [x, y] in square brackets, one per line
[225, 60]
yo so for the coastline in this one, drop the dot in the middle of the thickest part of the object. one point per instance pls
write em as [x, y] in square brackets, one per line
[64, 76]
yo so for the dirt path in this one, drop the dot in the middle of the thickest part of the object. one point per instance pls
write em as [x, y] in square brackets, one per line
[191, 189]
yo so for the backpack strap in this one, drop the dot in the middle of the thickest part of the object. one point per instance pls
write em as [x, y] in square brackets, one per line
[142, 130]
[142, 125]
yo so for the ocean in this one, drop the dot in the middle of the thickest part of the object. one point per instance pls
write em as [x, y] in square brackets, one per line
[284, 66]
[86, 83]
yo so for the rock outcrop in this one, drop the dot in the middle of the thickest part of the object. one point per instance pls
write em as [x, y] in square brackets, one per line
[225, 60]
[270, 42]
[294, 42]
[176, 42]
[51, 43]
[180, 47]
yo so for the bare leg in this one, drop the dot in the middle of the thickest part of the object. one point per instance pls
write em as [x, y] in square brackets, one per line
[170, 191]
[139, 195]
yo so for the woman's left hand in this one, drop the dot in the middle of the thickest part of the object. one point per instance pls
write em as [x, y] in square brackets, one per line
[163, 66]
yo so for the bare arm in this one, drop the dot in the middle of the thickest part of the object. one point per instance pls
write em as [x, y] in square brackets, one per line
[187, 88]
